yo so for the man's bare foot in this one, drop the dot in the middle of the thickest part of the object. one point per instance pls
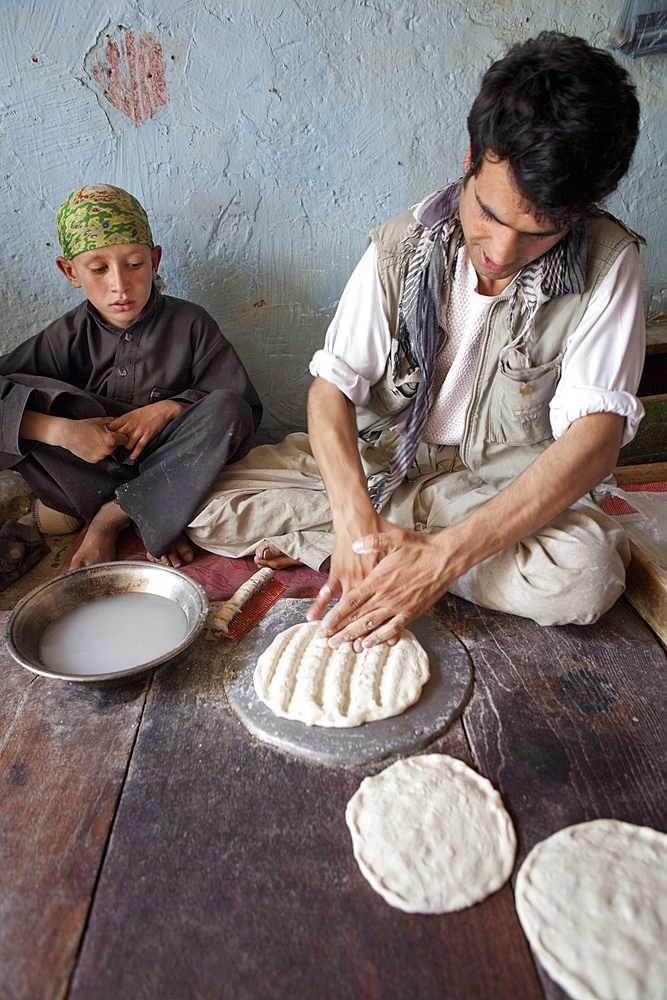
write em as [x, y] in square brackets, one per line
[178, 553]
[267, 554]
[99, 541]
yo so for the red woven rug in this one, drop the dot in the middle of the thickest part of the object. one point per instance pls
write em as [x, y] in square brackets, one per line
[218, 575]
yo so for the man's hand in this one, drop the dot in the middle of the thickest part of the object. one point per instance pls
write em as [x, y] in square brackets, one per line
[139, 426]
[349, 566]
[407, 580]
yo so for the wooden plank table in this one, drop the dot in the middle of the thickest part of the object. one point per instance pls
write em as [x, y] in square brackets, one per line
[150, 849]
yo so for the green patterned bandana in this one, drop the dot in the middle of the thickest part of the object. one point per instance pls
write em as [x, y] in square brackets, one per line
[99, 215]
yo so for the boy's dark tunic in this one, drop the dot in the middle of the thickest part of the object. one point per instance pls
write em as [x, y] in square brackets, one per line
[81, 367]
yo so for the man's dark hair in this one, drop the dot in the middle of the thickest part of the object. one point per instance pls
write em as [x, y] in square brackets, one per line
[564, 115]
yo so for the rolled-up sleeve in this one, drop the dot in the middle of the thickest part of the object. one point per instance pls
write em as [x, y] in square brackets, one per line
[604, 357]
[358, 341]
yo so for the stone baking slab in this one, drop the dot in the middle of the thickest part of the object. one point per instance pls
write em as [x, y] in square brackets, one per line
[442, 698]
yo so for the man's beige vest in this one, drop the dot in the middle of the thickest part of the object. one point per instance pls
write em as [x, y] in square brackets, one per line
[507, 421]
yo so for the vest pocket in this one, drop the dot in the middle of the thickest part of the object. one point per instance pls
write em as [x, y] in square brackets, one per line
[519, 401]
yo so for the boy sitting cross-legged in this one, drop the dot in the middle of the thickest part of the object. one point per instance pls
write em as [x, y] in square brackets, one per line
[124, 410]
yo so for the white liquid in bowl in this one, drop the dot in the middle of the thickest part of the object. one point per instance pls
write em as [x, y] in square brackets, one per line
[112, 634]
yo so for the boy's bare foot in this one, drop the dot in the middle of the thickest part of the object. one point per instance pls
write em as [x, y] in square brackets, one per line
[99, 541]
[178, 553]
[267, 554]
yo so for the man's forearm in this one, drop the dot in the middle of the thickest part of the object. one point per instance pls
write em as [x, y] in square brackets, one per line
[566, 471]
[332, 430]
[417, 567]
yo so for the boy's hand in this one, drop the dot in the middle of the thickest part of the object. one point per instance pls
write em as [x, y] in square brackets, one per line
[91, 439]
[138, 426]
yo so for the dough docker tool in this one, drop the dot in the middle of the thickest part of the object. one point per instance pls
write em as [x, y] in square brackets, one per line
[247, 606]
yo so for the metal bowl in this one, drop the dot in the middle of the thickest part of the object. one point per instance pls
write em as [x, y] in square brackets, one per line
[64, 593]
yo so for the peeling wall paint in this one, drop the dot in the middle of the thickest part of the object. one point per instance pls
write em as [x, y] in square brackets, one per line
[130, 73]
[265, 139]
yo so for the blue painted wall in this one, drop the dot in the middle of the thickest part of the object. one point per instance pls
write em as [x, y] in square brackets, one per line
[264, 139]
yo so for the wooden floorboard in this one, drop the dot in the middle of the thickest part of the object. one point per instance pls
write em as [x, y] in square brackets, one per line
[569, 723]
[230, 874]
[64, 751]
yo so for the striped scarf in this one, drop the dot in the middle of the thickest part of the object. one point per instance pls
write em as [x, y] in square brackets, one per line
[561, 271]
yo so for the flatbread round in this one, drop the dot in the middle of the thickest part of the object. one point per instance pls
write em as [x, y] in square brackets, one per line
[300, 677]
[592, 900]
[431, 835]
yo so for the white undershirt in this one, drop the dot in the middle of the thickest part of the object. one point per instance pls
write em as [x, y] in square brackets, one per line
[602, 362]
[456, 363]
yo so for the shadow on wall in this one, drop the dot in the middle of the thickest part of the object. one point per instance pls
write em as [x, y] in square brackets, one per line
[273, 328]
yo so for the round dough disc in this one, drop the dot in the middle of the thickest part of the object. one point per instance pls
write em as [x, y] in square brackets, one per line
[592, 900]
[300, 677]
[431, 835]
